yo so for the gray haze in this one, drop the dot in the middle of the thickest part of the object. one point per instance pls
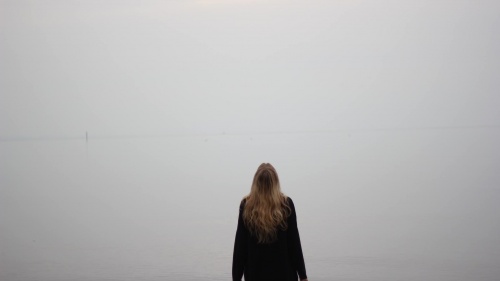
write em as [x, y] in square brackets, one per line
[381, 117]
[162, 67]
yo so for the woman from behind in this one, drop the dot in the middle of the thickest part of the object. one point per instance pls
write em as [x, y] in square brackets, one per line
[267, 244]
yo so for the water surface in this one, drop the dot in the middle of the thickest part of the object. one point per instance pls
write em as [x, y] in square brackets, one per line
[372, 205]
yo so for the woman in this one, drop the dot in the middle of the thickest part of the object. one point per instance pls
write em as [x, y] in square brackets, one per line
[267, 244]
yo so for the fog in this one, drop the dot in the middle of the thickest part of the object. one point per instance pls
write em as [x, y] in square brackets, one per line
[130, 131]
[164, 67]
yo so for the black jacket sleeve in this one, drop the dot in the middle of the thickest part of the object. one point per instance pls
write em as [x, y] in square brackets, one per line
[294, 246]
[240, 253]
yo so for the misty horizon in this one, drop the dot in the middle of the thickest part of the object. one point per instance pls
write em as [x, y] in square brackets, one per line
[131, 130]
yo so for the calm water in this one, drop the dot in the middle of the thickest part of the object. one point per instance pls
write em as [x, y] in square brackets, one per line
[372, 205]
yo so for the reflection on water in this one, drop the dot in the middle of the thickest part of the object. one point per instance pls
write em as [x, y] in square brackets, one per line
[371, 205]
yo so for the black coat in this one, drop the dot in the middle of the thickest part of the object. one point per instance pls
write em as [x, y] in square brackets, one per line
[281, 260]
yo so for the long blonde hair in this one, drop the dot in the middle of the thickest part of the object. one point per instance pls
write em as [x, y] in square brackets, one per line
[266, 207]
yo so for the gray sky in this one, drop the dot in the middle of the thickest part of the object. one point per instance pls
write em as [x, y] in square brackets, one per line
[243, 66]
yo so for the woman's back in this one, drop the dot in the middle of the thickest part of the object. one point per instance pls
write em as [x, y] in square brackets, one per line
[267, 255]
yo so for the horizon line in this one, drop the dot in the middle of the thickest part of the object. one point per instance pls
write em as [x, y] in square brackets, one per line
[87, 136]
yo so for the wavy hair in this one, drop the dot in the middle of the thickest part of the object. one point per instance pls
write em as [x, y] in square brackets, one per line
[266, 207]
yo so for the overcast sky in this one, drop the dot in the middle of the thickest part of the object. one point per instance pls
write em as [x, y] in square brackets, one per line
[244, 66]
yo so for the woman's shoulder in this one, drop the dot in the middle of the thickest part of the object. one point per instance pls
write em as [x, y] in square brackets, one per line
[243, 201]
